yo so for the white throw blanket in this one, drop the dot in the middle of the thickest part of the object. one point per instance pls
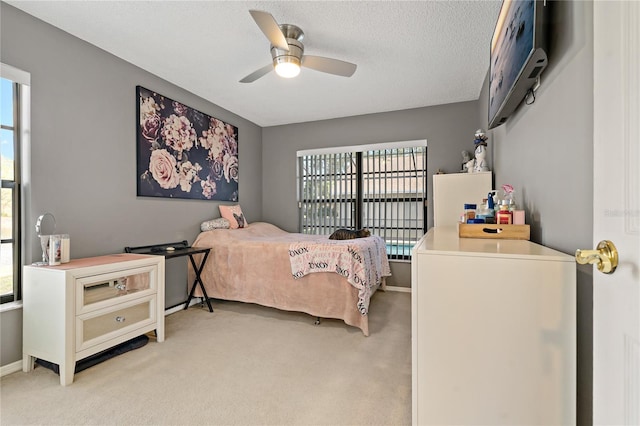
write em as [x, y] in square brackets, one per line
[362, 261]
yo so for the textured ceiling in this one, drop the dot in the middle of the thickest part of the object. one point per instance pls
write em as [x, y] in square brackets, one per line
[409, 54]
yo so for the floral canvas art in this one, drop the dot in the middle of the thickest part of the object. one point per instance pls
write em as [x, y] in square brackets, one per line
[184, 153]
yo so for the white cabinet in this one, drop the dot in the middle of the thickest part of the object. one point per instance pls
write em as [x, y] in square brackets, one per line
[493, 332]
[80, 308]
[452, 191]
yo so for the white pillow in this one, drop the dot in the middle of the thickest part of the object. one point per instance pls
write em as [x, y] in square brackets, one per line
[219, 223]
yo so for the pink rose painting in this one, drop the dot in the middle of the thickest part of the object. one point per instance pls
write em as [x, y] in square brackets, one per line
[182, 152]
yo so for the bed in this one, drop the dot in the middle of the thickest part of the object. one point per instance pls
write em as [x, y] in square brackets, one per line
[266, 265]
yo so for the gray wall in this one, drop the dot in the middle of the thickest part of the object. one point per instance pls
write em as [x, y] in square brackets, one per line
[545, 150]
[10, 336]
[448, 129]
[83, 162]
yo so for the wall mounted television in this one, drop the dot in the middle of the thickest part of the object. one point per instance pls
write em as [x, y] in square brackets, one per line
[517, 56]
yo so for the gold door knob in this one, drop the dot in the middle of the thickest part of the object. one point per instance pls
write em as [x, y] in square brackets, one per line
[605, 256]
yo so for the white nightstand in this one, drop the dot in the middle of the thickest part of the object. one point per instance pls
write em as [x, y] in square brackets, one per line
[83, 307]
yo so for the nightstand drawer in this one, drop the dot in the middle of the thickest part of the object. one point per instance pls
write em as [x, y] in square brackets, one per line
[99, 291]
[99, 326]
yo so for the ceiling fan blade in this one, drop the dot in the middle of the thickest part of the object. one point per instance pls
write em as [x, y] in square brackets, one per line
[270, 28]
[257, 74]
[328, 65]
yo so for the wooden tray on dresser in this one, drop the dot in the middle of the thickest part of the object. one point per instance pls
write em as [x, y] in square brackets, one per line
[494, 231]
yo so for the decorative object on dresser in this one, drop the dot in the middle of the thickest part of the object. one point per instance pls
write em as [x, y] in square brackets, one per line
[182, 152]
[55, 247]
[466, 158]
[77, 309]
[45, 227]
[493, 330]
[480, 152]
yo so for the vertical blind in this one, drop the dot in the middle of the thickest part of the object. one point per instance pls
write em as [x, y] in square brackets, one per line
[328, 191]
[383, 190]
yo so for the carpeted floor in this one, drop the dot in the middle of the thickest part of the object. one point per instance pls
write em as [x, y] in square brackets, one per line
[242, 365]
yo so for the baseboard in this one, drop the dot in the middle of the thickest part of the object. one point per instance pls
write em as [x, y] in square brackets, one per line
[173, 310]
[194, 301]
[398, 289]
[11, 368]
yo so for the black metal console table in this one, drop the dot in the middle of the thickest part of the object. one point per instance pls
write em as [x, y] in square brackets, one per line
[182, 248]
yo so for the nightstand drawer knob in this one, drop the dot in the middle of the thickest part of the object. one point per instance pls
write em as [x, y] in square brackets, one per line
[121, 287]
[120, 319]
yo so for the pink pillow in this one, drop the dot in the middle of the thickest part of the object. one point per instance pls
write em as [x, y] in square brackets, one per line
[234, 215]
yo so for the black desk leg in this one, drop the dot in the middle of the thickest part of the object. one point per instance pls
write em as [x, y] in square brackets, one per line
[198, 281]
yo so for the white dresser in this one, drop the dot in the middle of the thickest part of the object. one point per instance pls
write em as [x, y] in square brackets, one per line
[493, 332]
[83, 307]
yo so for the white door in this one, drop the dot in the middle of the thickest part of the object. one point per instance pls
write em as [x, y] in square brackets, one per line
[616, 212]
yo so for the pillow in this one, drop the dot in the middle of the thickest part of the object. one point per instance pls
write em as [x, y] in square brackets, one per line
[234, 215]
[219, 223]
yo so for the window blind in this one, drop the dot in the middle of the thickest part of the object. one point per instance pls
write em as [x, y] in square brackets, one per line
[383, 190]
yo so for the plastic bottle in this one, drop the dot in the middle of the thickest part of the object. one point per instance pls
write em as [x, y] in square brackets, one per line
[469, 212]
[483, 211]
[486, 211]
[490, 204]
[504, 216]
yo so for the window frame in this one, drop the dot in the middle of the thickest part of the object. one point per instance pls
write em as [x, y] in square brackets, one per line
[21, 127]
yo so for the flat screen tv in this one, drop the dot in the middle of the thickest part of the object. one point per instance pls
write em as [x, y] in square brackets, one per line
[517, 56]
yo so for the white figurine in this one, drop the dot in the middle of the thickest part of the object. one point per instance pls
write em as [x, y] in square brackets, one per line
[466, 157]
[480, 152]
[481, 162]
[469, 165]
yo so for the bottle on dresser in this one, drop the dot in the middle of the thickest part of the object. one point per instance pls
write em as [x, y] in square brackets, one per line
[504, 216]
[469, 213]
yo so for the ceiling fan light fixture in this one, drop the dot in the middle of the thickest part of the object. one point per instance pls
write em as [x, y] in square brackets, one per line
[287, 66]
[287, 52]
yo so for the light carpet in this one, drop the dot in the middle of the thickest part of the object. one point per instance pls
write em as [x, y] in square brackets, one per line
[241, 365]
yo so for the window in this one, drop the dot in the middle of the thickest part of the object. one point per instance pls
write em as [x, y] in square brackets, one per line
[378, 187]
[13, 107]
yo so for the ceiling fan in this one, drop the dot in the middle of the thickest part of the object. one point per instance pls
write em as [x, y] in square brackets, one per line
[287, 52]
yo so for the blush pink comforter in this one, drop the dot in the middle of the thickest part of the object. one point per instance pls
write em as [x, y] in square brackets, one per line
[254, 265]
